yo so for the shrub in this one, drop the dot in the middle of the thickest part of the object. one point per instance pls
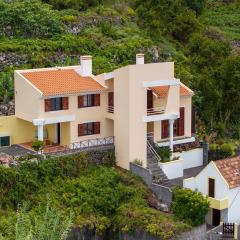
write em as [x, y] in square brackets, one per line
[190, 206]
[226, 150]
[164, 153]
[37, 145]
[138, 162]
[213, 147]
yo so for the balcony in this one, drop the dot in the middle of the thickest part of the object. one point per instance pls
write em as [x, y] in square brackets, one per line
[110, 109]
[155, 111]
[109, 113]
[219, 204]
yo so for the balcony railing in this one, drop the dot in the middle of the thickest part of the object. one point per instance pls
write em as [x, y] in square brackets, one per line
[91, 143]
[155, 111]
[110, 109]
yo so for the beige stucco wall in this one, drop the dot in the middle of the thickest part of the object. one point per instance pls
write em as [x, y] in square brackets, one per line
[91, 114]
[27, 99]
[19, 130]
[186, 102]
[131, 105]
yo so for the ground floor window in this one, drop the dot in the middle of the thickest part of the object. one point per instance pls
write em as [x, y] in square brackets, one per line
[89, 128]
[4, 141]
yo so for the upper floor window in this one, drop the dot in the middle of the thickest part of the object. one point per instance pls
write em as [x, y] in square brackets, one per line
[211, 187]
[89, 100]
[90, 128]
[56, 104]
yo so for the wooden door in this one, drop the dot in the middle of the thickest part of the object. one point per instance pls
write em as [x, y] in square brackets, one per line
[149, 99]
[181, 122]
[110, 99]
[216, 217]
[165, 129]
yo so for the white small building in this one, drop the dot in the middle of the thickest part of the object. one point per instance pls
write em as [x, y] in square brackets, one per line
[220, 181]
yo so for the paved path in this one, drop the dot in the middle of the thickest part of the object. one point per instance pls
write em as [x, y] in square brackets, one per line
[16, 151]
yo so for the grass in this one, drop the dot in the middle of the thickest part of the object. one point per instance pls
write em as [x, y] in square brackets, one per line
[226, 18]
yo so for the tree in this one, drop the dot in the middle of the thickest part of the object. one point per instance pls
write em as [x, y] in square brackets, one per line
[171, 17]
[196, 5]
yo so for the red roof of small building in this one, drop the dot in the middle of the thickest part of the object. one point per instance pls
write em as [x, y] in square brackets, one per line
[61, 82]
[230, 170]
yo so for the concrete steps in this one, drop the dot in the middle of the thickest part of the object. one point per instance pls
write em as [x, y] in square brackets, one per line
[158, 175]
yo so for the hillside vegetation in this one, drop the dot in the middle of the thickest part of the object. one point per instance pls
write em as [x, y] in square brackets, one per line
[201, 36]
[98, 198]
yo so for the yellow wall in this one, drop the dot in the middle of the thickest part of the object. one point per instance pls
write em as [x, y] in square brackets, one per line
[51, 130]
[65, 134]
[20, 131]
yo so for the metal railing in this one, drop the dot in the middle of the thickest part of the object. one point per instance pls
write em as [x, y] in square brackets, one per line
[150, 136]
[155, 111]
[110, 109]
[153, 152]
[90, 143]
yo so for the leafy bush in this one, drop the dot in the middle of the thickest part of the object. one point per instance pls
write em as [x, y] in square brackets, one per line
[29, 19]
[138, 162]
[164, 153]
[226, 150]
[190, 206]
[99, 198]
[38, 145]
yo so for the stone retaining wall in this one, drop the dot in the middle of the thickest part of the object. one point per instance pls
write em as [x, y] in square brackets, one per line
[163, 193]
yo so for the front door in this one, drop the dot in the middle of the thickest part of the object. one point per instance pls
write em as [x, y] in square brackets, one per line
[58, 133]
[216, 217]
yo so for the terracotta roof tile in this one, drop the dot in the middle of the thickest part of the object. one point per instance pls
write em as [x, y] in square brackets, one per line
[163, 91]
[61, 81]
[230, 170]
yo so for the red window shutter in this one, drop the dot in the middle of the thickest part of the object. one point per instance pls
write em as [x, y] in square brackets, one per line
[81, 128]
[96, 128]
[47, 105]
[96, 99]
[80, 101]
[165, 126]
[181, 122]
[65, 103]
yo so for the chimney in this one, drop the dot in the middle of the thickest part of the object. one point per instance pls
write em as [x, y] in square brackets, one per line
[139, 58]
[86, 66]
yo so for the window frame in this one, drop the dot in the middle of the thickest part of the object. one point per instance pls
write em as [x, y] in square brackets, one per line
[56, 104]
[210, 193]
[89, 128]
[9, 141]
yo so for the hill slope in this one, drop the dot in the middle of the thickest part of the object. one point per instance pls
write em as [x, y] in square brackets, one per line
[201, 37]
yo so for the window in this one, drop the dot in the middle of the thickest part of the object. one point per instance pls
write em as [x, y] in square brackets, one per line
[56, 104]
[90, 100]
[211, 187]
[178, 127]
[90, 128]
[4, 141]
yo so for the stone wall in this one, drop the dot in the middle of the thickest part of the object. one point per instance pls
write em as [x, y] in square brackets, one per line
[197, 233]
[163, 193]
